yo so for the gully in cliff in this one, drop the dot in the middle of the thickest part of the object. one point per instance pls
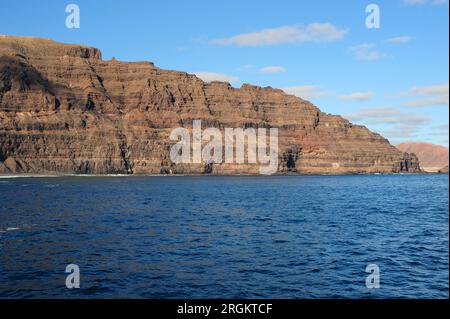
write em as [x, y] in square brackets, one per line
[213, 151]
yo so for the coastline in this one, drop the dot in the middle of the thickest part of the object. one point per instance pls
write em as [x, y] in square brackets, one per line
[12, 176]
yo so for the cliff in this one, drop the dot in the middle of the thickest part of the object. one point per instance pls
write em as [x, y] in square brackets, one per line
[63, 109]
[432, 157]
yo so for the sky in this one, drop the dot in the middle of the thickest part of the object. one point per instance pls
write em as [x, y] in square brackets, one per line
[393, 78]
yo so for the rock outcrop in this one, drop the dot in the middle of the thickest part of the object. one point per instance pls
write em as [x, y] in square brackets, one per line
[432, 157]
[63, 109]
[443, 170]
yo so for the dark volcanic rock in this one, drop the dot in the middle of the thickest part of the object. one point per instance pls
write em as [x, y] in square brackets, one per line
[63, 109]
[432, 157]
[443, 170]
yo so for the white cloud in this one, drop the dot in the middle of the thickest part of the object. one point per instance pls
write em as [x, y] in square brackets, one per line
[213, 76]
[442, 88]
[400, 39]
[391, 122]
[273, 69]
[357, 96]
[306, 91]
[365, 51]
[401, 132]
[430, 95]
[313, 32]
[374, 112]
[402, 118]
[433, 101]
[387, 115]
[245, 68]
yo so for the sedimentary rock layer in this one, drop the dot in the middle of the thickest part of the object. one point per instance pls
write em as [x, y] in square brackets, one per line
[65, 110]
[432, 157]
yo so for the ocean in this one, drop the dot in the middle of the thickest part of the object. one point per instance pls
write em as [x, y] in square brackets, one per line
[225, 237]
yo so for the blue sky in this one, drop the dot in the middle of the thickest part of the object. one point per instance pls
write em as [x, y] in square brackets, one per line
[393, 79]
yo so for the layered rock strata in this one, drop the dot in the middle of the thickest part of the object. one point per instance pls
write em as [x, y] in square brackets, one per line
[65, 110]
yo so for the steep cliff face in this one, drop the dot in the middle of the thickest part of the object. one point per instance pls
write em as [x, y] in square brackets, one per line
[63, 109]
[432, 157]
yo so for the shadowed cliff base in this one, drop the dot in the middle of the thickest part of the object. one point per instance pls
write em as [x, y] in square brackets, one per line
[65, 110]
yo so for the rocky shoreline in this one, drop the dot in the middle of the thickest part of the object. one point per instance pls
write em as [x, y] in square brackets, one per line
[25, 175]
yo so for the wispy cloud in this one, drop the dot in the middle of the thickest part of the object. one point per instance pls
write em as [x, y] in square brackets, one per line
[313, 32]
[306, 91]
[392, 122]
[357, 96]
[442, 88]
[273, 69]
[400, 39]
[374, 112]
[439, 130]
[366, 51]
[430, 95]
[442, 128]
[432, 101]
[401, 132]
[387, 115]
[213, 76]
[245, 68]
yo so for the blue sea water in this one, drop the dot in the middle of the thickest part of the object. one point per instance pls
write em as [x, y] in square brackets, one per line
[225, 237]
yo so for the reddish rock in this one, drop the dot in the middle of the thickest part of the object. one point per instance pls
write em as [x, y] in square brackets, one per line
[63, 109]
[432, 157]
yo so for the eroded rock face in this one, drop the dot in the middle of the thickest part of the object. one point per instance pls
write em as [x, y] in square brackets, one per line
[432, 157]
[63, 109]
